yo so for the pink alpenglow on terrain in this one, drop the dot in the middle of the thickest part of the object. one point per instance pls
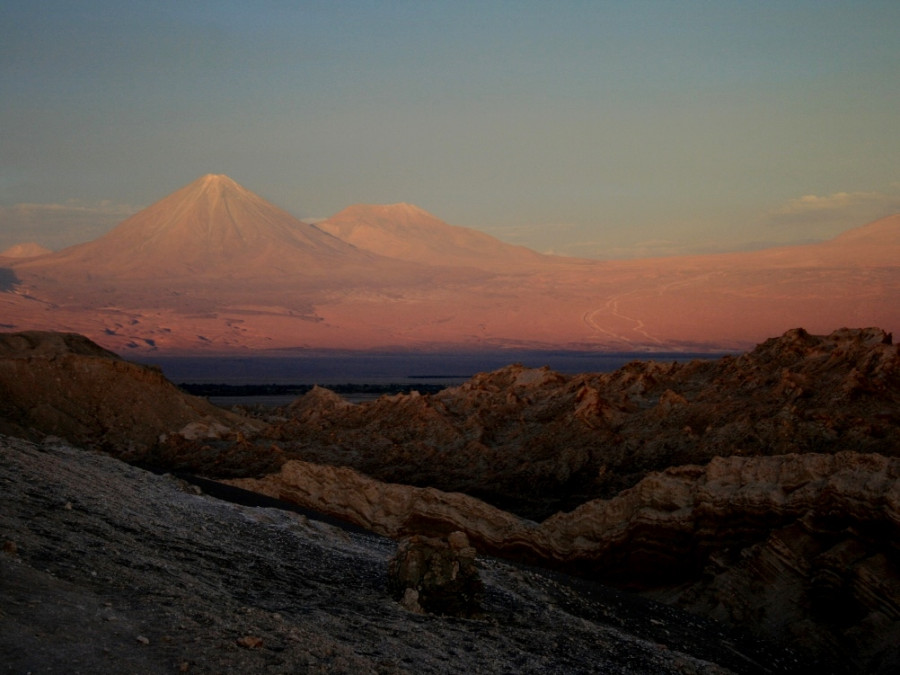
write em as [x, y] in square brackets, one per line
[215, 268]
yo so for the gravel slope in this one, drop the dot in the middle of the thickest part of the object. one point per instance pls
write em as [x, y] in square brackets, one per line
[109, 568]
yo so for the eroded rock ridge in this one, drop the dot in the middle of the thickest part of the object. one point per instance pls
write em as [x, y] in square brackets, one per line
[535, 442]
[759, 489]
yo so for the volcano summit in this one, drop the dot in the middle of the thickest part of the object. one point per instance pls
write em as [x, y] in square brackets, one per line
[211, 228]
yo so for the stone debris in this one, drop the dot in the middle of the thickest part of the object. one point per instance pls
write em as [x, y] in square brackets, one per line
[250, 642]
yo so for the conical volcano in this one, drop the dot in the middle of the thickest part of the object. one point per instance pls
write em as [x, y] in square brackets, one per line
[212, 227]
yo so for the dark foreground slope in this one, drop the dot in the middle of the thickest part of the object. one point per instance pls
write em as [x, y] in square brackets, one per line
[108, 568]
[761, 490]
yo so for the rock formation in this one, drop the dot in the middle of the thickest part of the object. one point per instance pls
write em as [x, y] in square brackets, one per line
[762, 490]
[109, 568]
[437, 575]
[63, 384]
[796, 547]
[700, 483]
[536, 442]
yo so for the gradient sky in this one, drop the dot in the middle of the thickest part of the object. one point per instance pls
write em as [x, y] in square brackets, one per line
[601, 129]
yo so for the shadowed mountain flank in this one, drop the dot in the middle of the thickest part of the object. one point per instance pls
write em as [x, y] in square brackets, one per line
[8, 279]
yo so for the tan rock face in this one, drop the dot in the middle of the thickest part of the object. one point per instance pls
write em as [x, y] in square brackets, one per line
[67, 386]
[635, 535]
[760, 489]
[791, 545]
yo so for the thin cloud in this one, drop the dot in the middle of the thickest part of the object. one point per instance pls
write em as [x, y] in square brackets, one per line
[847, 209]
[59, 225]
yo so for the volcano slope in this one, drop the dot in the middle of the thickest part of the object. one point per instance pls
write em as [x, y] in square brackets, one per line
[215, 268]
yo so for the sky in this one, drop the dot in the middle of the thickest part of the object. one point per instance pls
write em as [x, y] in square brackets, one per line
[588, 128]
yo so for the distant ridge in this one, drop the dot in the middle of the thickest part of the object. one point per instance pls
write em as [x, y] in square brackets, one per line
[877, 243]
[408, 232]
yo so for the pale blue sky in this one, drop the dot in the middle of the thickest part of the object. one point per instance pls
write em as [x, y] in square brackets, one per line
[603, 129]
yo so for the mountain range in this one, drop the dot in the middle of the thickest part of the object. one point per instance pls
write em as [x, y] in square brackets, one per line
[215, 268]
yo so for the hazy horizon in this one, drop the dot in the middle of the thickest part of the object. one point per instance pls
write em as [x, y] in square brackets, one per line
[383, 367]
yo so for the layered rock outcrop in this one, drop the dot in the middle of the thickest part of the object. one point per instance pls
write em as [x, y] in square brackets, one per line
[437, 575]
[63, 384]
[106, 568]
[796, 546]
[536, 442]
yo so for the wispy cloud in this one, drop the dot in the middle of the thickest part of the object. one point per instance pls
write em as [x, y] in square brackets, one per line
[59, 225]
[611, 248]
[846, 209]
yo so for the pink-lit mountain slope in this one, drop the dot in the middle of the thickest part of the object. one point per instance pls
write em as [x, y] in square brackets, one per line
[214, 267]
[407, 232]
[212, 228]
[874, 245]
[849, 281]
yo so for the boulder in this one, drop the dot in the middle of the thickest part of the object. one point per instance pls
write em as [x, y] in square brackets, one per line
[437, 575]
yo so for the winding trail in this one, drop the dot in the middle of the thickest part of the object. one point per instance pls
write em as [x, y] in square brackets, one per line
[611, 308]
